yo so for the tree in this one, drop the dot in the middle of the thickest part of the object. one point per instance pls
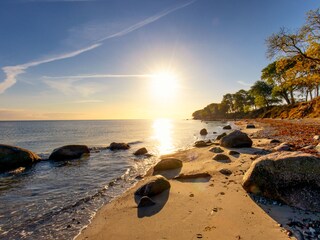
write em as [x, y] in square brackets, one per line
[227, 103]
[262, 94]
[243, 101]
[274, 77]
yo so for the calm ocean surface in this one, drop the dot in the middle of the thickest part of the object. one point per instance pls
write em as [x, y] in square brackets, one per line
[55, 200]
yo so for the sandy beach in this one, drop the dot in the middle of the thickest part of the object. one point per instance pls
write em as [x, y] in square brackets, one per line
[215, 207]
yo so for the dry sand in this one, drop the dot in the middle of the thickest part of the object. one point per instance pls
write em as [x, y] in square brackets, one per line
[203, 208]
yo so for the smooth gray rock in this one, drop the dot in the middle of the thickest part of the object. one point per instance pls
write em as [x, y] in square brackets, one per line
[155, 186]
[236, 139]
[203, 131]
[221, 158]
[141, 151]
[69, 152]
[118, 146]
[200, 144]
[167, 164]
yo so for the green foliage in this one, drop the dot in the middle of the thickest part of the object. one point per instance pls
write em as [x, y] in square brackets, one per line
[295, 73]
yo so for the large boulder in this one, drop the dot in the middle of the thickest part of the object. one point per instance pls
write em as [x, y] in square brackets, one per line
[236, 139]
[12, 157]
[69, 152]
[118, 146]
[203, 131]
[155, 186]
[167, 164]
[289, 177]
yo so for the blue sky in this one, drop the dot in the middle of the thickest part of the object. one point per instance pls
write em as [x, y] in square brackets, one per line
[96, 59]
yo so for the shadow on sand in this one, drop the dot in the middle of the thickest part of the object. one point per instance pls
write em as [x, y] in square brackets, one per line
[252, 150]
[169, 174]
[294, 219]
[160, 200]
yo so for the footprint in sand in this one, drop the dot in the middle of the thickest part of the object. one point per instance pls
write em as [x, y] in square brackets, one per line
[209, 228]
[215, 210]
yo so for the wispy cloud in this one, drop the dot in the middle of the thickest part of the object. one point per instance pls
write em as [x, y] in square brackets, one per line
[73, 84]
[12, 72]
[83, 89]
[244, 83]
[147, 21]
[100, 76]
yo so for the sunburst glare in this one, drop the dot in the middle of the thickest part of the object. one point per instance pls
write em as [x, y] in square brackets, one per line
[164, 84]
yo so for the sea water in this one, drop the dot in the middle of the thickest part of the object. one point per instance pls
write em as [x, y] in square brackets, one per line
[54, 200]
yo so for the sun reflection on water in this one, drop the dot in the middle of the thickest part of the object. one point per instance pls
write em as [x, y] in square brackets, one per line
[162, 129]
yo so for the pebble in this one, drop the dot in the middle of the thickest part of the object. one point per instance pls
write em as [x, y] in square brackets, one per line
[199, 235]
[191, 195]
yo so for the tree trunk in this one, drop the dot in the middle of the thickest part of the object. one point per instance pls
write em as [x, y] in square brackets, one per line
[286, 98]
[292, 97]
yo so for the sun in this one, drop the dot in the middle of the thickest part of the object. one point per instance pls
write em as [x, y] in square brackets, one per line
[164, 84]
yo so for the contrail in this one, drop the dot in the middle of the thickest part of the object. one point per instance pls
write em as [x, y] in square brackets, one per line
[101, 76]
[12, 72]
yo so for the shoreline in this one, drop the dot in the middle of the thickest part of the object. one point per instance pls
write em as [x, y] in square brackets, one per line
[198, 208]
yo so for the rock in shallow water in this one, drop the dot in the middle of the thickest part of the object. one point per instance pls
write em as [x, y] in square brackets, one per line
[227, 127]
[141, 151]
[12, 157]
[236, 139]
[69, 152]
[203, 131]
[155, 186]
[200, 144]
[118, 146]
[289, 177]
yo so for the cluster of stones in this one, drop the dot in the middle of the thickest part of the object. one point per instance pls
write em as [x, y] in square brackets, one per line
[12, 157]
